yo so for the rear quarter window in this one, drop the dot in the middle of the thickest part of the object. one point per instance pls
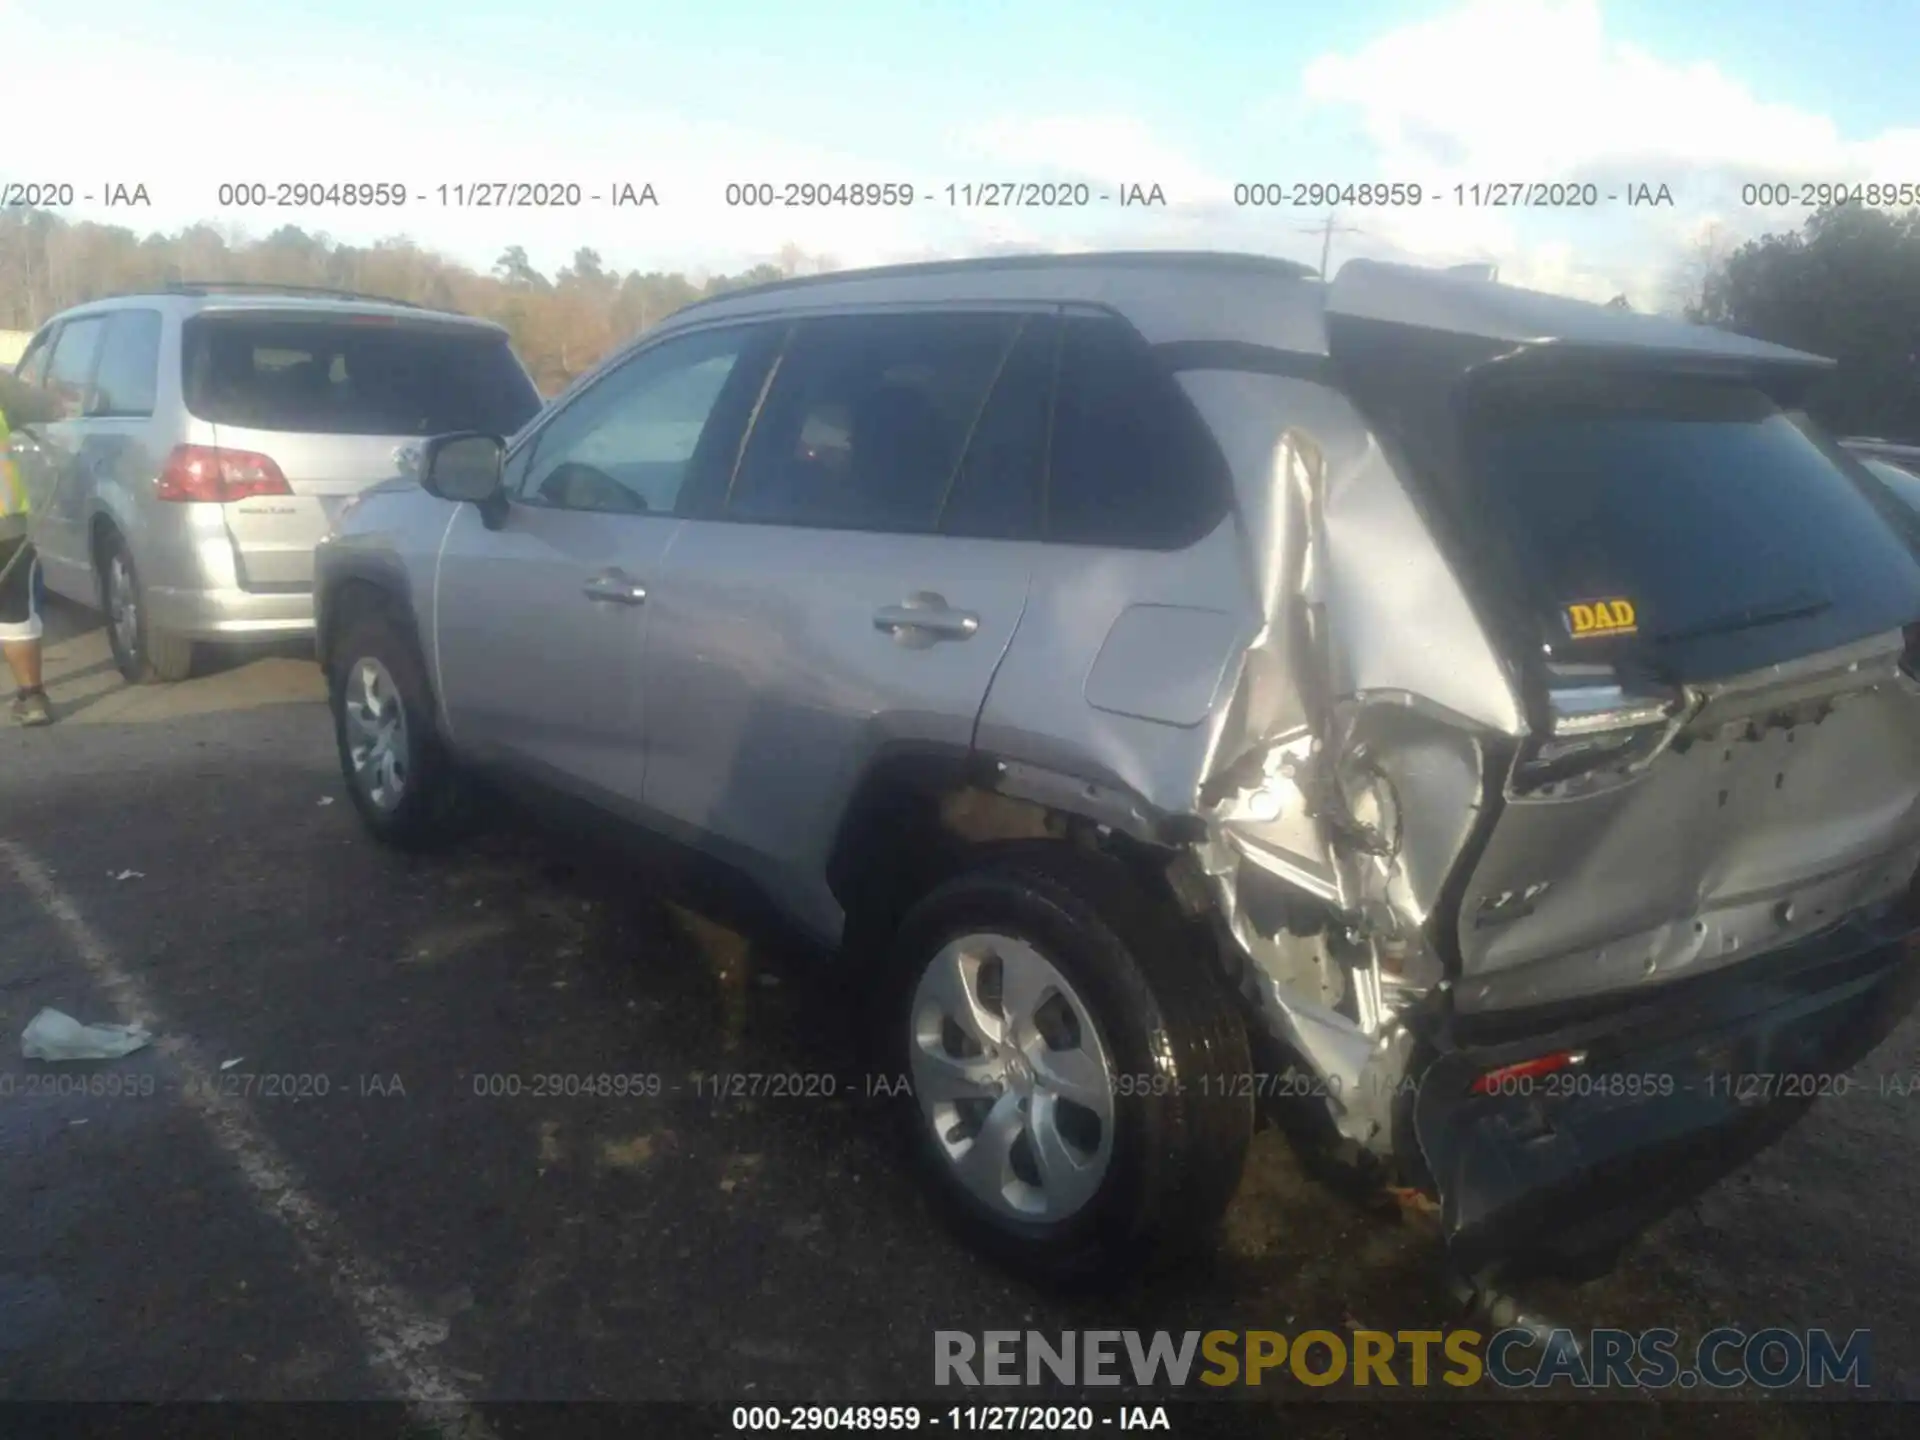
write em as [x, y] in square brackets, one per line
[1131, 465]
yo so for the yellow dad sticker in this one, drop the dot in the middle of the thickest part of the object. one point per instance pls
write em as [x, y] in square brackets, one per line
[1593, 618]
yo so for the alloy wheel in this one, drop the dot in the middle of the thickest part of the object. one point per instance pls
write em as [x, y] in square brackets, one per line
[376, 724]
[1012, 1078]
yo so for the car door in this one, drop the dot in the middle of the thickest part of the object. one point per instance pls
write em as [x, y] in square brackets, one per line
[539, 623]
[852, 587]
[59, 488]
[117, 450]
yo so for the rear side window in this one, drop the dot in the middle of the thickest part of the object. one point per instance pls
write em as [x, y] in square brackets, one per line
[1734, 537]
[129, 369]
[867, 419]
[359, 376]
[996, 495]
[1132, 464]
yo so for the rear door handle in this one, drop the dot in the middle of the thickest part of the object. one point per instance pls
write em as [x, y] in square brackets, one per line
[620, 589]
[931, 617]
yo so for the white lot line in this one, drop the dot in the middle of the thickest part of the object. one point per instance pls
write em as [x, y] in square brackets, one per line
[398, 1336]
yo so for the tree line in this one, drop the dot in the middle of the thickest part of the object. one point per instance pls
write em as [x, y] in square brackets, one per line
[1846, 284]
[561, 324]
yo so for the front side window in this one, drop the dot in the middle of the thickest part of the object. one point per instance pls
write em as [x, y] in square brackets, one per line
[630, 443]
[32, 369]
[23, 394]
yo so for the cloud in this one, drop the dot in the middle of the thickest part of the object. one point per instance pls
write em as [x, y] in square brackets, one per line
[1539, 90]
[325, 117]
[1105, 148]
[1491, 90]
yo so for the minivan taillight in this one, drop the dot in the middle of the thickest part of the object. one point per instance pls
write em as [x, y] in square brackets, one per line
[1601, 737]
[210, 474]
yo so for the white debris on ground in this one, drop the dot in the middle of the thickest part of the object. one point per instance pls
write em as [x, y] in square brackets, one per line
[51, 1035]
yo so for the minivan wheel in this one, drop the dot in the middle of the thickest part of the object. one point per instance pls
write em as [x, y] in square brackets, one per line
[143, 654]
[1071, 1055]
[397, 769]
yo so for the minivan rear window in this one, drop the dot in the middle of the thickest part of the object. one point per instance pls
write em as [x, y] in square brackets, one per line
[369, 376]
[1733, 536]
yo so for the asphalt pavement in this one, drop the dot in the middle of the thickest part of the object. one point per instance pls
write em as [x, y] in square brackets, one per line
[444, 1129]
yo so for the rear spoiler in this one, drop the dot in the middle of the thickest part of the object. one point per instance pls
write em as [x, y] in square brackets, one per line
[1505, 317]
[438, 321]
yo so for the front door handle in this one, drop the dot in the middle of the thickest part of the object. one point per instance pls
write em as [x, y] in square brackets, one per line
[618, 588]
[926, 615]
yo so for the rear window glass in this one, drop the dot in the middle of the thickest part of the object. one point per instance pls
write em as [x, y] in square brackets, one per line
[353, 378]
[1733, 536]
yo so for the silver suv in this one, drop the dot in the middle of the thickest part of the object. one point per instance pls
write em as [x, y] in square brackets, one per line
[1481, 723]
[205, 437]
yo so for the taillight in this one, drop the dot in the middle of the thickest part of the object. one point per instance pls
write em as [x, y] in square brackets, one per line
[212, 475]
[1511, 1079]
[1601, 737]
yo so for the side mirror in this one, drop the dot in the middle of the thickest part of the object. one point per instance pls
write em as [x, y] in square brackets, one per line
[466, 468]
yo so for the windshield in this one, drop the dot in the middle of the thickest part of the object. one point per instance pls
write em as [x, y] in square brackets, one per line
[353, 377]
[1686, 521]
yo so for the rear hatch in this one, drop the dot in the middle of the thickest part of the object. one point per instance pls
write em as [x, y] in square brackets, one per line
[336, 400]
[1706, 600]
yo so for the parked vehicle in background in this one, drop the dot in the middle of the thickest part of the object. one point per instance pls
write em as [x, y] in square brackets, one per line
[206, 436]
[1482, 718]
[1904, 483]
[1896, 467]
[1893, 451]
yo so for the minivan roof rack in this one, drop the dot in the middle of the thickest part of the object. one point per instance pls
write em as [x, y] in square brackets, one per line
[270, 287]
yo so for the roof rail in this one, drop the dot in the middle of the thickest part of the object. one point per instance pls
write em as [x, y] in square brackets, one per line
[270, 287]
[1190, 259]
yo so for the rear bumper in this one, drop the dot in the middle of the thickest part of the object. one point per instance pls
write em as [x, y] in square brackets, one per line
[1678, 1087]
[230, 614]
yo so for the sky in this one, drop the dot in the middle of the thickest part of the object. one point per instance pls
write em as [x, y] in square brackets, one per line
[1197, 97]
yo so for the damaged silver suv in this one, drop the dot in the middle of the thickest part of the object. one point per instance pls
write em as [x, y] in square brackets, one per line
[1481, 719]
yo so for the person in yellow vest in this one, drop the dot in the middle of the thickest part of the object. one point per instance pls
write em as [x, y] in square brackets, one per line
[19, 592]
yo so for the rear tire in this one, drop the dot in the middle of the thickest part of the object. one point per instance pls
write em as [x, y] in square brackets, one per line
[397, 769]
[1125, 1002]
[144, 655]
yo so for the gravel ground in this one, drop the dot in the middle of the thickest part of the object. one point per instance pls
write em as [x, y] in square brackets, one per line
[357, 1208]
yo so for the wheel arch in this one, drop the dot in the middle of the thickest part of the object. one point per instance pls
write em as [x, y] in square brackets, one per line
[349, 586]
[920, 813]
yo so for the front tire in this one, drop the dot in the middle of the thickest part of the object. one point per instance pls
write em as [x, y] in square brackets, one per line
[1072, 1054]
[402, 780]
[144, 655]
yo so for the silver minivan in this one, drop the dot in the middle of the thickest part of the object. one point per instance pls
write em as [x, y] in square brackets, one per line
[207, 436]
